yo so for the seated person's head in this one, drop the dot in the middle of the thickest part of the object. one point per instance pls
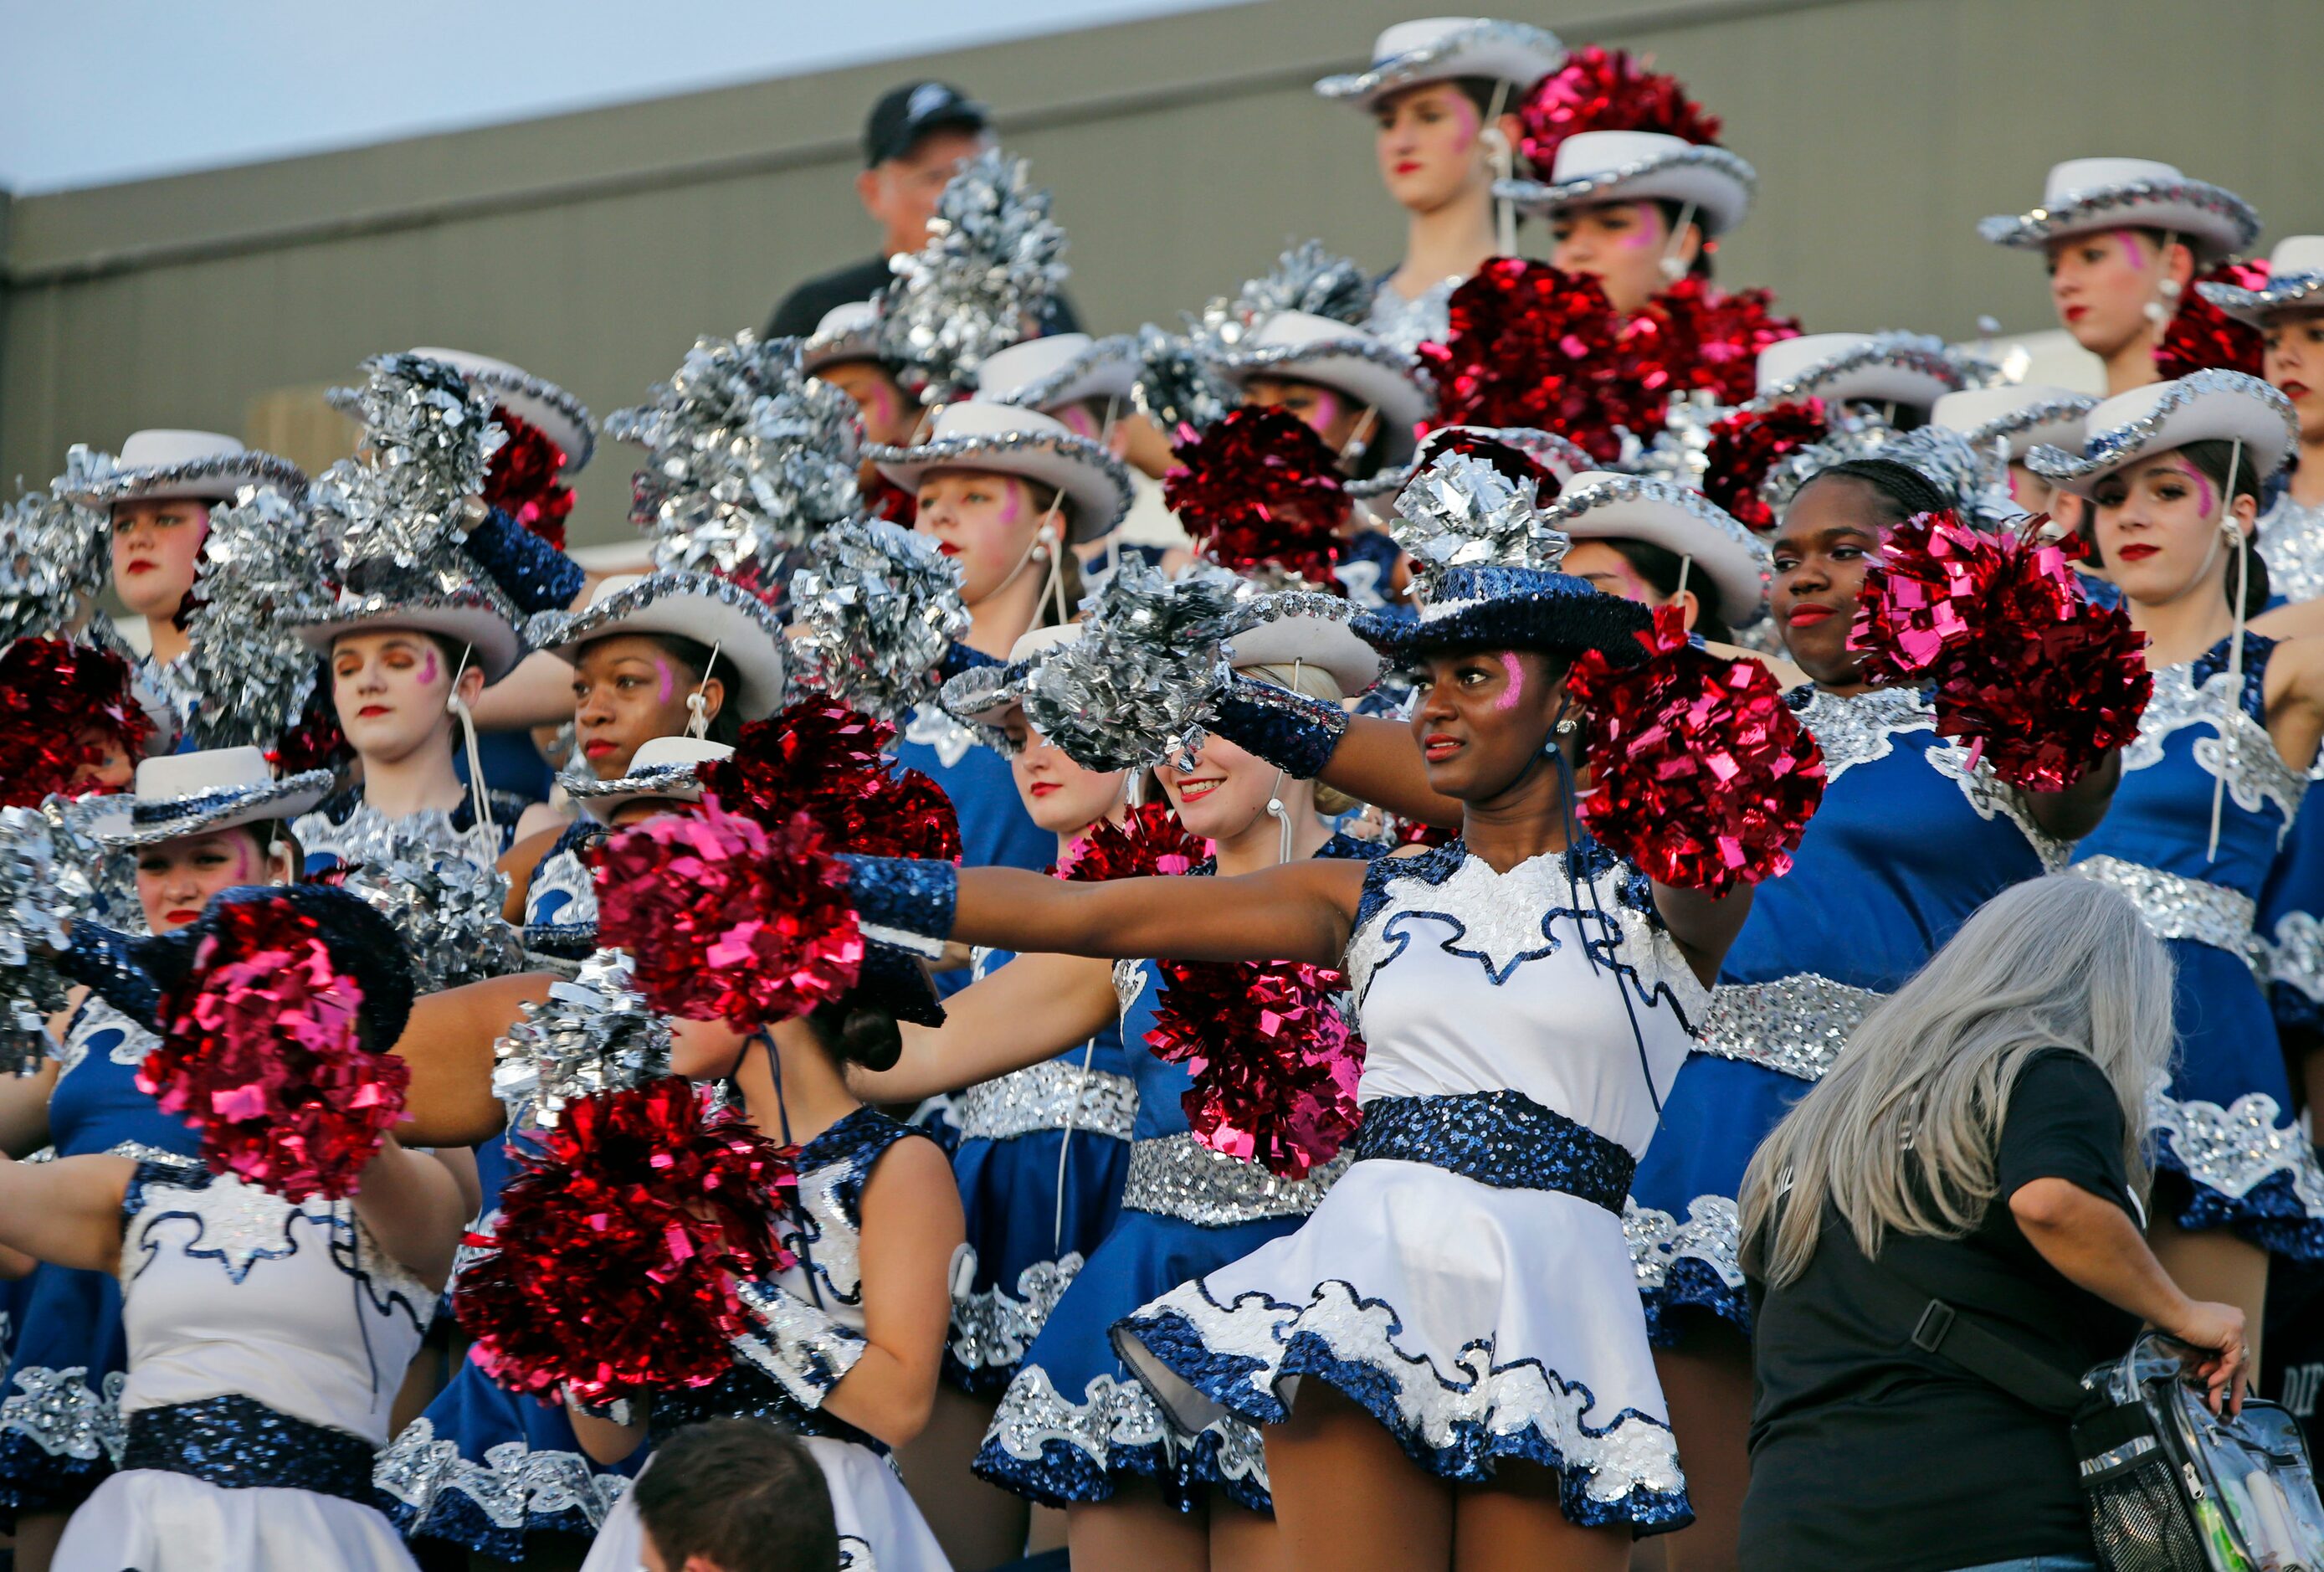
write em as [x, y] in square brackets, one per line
[735, 1495]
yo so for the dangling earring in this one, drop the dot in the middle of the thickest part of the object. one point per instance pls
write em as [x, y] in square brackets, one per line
[2165, 304]
[1567, 727]
[1040, 551]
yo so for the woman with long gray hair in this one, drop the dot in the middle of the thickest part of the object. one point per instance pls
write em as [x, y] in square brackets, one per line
[1978, 1142]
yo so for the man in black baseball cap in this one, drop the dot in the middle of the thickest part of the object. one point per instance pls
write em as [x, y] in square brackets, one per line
[915, 136]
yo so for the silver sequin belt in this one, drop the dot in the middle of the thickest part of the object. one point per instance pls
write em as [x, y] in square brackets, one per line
[2178, 907]
[1054, 1094]
[1177, 1176]
[1795, 1025]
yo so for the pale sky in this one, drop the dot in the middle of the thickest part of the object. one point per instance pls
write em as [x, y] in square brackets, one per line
[97, 91]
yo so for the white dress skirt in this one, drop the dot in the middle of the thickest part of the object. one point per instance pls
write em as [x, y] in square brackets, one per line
[266, 1344]
[1468, 1281]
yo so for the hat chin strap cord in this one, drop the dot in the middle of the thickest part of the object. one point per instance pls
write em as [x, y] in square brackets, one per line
[479, 798]
[697, 705]
[1503, 160]
[2235, 649]
[1276, 810]
[1672, 266]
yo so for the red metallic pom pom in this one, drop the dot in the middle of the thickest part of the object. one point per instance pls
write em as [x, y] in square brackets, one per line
[820, 758]
[70, 705]
[1601, 89]
[2202, 337]
[1712, 337]
[524, 479]
[2041, 680]
[1274, 1061]
[314, 742]
[1259, 488]
[884, 499]
[1531, 346]
[1149, 842]
[1700, 775]
[727, 921]
[263, 1055]
[1746, 446]
[613, 1265]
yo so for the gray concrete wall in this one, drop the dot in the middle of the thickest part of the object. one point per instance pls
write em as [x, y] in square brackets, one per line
[1184, 151]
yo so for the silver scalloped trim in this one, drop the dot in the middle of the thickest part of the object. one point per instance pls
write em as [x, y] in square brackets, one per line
[1712, 1234]
[1538, 194]
[2037, 225]
[1064, 444]
[247, 468]
[547, 392]
[550, 629]
[2111, 448]
[1919, 352]
[2243, 305]
[1266, 357]
[990, 1330]
[2236, 1149]
[2178, 907]
[2295, 953]
[1042, 391]
[1412, 64]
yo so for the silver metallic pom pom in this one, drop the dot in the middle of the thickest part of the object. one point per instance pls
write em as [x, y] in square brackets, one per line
[593, 1035]
[1131, 691]
[984, 281]
[262, 574]
[449, 910]
[747, 458]
[1462, 512]
[31, 934]
[1178, 388]
[878, 607]
[53, 562]
[95, 883]
[416, 490]
[1306, 279]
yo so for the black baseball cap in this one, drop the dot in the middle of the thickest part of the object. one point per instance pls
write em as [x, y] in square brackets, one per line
[904, 115]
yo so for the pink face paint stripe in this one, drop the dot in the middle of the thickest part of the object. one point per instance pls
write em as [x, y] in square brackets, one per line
[1516, 689]
[668, 685]
[427, 673]
[2132, 252]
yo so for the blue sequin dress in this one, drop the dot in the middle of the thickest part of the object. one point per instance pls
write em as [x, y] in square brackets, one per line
[995, 831]
[60, 1418]
[1467, 1281]
[2221, 1130]
[1043, 1155]
[1907, 845]
[810, 1322]
[482, 1466]
[1075, 1423]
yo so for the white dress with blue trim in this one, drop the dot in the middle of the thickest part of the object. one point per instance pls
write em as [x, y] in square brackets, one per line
[2228, 1154]
[267, 1341]
[1467, 1281]
[810, 1334]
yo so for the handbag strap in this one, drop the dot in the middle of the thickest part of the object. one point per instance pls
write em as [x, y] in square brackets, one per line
[1968, 1339]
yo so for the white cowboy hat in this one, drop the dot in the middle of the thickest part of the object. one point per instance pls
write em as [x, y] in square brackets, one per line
[2083, 195]
[662, 767]
[2025, 414]
[1345, 359]
[544, 406]
[1561, 457]
[1306, 628]
[181, 794]
[985, 695]
[2210, 406]
[1001, 438]
[472, 612]
[1633, 166]
[2295, 275]
[1598, 505]
[1435, 49]
[850, 332]
[207, 465]
[1061, 368]
[1910, 369]
[743, 630]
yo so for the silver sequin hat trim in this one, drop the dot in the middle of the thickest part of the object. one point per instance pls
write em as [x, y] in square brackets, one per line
[1096, 484]
[216, 478]
[1795, 1025]
[1718, 183]
[1177, 1176]
[708, 610]
[474, 614]
[1598, 505]
[1058, 386]
[1351, 362]
[1050, 1096]
[207, 811]
[2211, 218]
[1916, 355]
[2213, 404]
[1481, 46]
[674, 782]
[2253, 307]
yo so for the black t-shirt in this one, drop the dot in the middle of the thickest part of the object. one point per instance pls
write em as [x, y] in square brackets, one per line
[1868, 1452]
[2293, 1374]
[805, 308]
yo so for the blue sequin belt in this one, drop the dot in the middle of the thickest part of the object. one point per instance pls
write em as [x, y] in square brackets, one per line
[238, 1443]
[1503, 1138]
